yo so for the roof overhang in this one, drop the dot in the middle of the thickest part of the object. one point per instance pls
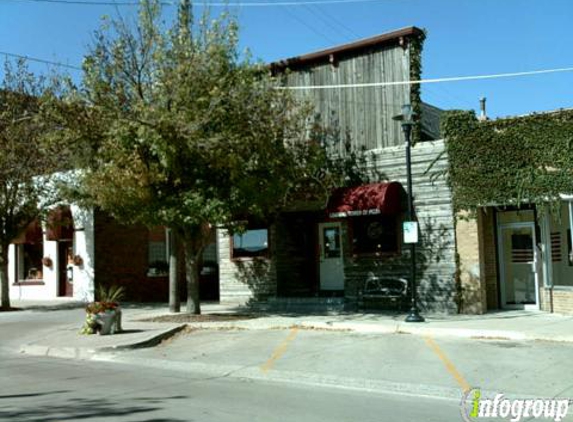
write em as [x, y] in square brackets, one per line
[386, 39]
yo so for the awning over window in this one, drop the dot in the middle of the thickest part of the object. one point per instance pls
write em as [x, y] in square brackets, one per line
[375, 198]
[32, 234]
[60, 224]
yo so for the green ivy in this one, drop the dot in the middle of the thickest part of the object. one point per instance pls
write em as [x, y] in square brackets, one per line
[508, 161]
[416, 47]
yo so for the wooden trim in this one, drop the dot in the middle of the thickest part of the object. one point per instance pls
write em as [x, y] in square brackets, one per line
[332, 54]
[29, 283]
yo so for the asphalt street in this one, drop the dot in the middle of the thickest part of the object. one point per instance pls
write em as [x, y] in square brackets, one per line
[410, 364]
[270, 374]
[52, 390]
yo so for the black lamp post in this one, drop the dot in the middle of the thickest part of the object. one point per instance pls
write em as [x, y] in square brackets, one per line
[406, 120]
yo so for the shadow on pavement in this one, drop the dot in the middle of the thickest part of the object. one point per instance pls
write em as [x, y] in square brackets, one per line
[21, 396]
[86, 408]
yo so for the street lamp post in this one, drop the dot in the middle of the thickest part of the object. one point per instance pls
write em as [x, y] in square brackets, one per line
[406, 121]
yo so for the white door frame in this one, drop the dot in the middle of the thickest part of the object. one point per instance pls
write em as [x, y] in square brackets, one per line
[334, 279]
[503, 262]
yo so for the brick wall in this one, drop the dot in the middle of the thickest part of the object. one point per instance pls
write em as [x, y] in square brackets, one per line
[559, 300]
[472, 283]
[296, 250]
[487, 233]
[121, 253]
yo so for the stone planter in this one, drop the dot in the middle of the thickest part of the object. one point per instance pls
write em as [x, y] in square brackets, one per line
[103, 323]
[109, 322]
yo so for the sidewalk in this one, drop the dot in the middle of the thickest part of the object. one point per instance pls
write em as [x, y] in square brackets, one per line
[64, 340]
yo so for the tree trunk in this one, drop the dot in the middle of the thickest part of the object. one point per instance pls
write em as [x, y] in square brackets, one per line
[194, 240]
[174, 299]
[192, 267]
[4, 282]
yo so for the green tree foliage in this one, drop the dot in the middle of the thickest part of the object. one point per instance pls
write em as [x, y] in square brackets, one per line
[509, 161]
[27, 157]
[184, 131]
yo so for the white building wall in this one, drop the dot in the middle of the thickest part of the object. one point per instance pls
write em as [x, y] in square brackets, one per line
[84, 247]
[83, 275]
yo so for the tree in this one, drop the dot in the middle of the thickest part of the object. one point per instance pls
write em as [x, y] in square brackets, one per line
[190, 134]
[27, 158]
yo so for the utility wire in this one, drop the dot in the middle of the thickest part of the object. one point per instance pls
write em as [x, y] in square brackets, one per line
[430, 81]
[312, 28]
[33, 59]
[324, 20]
[327, 15]
[207, 3]
[358, 85]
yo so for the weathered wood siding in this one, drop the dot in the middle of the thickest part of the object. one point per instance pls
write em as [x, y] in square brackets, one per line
[293, 269]
[436, 265]
[363, 114]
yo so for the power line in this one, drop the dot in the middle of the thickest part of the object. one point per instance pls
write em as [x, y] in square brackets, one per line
[207, 3]
[34, 59]
[430, 81]
[335, 20]
[323, 19]
[357, 85]
[310, 27]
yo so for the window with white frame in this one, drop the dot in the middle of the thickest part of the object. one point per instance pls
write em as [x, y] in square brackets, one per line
[29, 261]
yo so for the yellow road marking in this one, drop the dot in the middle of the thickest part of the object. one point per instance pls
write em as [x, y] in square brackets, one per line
[279, 351]
[448, 364]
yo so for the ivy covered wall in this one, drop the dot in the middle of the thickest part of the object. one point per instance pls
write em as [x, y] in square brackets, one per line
[509, 161]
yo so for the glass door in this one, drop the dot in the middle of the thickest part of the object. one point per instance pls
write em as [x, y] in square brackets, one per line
[519, 284]
[331, 258]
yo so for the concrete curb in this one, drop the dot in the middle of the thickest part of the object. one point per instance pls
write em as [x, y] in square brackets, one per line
[369, 385]
[150, 342]
[84, 353]
[290, 377]
[424, 329]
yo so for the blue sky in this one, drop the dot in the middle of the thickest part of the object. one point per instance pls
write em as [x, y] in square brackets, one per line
[465, 37]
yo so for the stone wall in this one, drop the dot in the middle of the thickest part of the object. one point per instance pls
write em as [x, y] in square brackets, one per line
[243, 280]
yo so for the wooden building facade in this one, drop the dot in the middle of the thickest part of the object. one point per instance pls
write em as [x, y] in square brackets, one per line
[331, 251]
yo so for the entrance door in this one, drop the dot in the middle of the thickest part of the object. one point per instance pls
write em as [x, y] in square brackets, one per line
[519, 283]
[65, 254]
[331, 258]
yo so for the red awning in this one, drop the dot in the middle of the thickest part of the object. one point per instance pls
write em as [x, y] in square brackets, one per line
[60, 224]
[375, 198]
[32, 234]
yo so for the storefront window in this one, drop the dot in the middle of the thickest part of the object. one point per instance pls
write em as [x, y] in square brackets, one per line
[157, 252]
[30, 261]
[250, 244]
[374, 234]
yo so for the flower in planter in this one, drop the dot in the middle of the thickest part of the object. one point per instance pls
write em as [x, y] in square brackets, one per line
[100, 307]
[47, 261]
[79, 261]
[104, 315]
